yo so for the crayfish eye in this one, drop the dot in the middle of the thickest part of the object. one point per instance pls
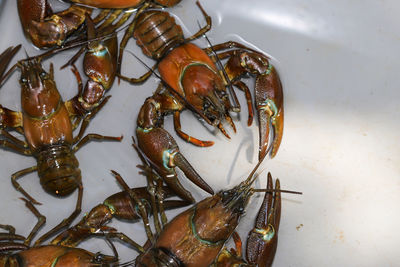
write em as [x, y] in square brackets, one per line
[98, 257]
[24, 80]
[43, 75]
[222, 94]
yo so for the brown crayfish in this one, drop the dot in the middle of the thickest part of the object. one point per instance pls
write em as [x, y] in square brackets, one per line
[47, 124]
[191, 80]
[196, 237]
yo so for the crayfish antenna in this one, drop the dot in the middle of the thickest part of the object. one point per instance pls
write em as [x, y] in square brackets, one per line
[250, 179]
[115, 252]
[277, 190]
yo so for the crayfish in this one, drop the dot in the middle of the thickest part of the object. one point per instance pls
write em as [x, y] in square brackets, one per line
[46, 255]
[47, 124]
[196, 237]
[191, 80]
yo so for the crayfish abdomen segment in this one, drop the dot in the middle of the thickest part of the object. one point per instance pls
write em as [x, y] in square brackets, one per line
[156, 32]
[58, 169]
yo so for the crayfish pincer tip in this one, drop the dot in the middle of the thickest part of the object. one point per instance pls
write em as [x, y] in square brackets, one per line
[191, 173]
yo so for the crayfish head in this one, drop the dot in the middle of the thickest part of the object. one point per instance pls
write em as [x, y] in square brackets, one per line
[38, 87]
[212, 221]
[205, 90]
[237, 198]
[215, 218]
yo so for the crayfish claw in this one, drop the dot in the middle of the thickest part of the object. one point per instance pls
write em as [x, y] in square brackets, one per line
[5, 59]
[173, 182]
[262, 241]
[162, 151]
[191, 173]
[268, 93]
[269, 104]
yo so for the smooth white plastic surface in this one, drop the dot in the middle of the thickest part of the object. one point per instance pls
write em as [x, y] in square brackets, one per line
[339, 64]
